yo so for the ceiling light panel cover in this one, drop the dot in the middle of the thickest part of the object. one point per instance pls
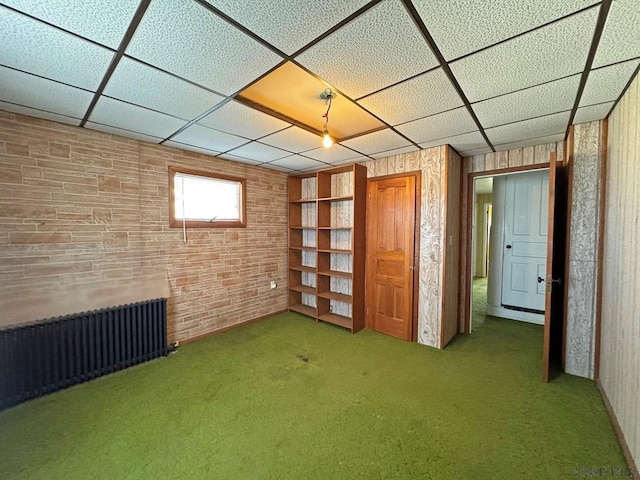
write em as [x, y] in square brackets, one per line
[606, 83]
[259, 152]
[532, 102]
[442, 125]
[233, 117]
[424, 95]
[552, 52]
[37, 48]
[379, 48]
[460, 27]
[102, 21]
[534, 128]
[136, 119]
[592, 112]
[620, 39]
[186, 39]
[137, 83]
[35, 92]
[293, 139]
[204, 137]
[377, 142]
[123, 133]
[302, 20]
[10, 107]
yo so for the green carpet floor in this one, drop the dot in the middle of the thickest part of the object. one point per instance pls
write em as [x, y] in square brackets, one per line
[286, 398]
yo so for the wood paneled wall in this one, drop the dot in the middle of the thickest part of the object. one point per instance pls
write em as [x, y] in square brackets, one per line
[620, 328]
[431, 162]
[492, 162]
[585, 163]
[84, 224]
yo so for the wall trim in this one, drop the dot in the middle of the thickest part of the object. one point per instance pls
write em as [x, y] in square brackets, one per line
[604, 136]
[616, 426]
[230, 327]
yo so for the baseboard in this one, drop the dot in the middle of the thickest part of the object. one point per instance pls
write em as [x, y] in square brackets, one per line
[229, 327]
[616, 426]
[502, 312]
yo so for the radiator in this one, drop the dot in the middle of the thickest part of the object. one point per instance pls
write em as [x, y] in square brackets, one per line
[43, 357]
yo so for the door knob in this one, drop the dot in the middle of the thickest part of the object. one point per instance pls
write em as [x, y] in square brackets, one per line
[508, 247]
[540, 279]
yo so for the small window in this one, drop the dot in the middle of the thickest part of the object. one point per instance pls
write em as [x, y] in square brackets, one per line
[201, 199]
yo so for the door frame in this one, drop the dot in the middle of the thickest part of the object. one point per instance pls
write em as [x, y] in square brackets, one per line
[417, 174]
[471, 177]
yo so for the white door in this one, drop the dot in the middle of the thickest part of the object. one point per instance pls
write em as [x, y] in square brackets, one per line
[525, 241]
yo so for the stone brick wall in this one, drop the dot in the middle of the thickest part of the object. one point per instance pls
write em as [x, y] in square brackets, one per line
[84, 224]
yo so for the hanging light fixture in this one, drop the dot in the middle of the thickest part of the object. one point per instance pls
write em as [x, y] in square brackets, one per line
[327, 95]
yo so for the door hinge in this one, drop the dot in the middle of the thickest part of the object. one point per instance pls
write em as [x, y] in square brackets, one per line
[549, 281]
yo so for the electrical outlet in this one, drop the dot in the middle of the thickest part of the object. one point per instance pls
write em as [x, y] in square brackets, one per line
[273, 284]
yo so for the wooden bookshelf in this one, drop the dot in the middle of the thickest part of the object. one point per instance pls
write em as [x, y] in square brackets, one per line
[327, 245]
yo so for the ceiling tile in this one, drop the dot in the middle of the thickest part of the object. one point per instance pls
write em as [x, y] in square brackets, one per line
[467, 141]
[233, 117]
[532, 102]
[294, 139]
[592, 112]
[184, 38]
[298, 162]
[478, 151]
[36, 92]
[100, 21]
[395, 151]
[421, 96]
[379, 141]
[460, 27]
[607, 83]
[333, 154]
[384, 42]
[259, 152]
[442, 125]
[122, 132]
[302, 20]
[190, 148]
[143, 85]
[235, 158]
[46, 51]
[136, 119]
[620, 39]
[276, 167]
[204, 137]
[558, 137]
[33, 112]
[549, 53]
[529, 129]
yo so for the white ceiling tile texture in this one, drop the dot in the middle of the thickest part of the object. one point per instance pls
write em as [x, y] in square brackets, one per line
[534, 128]
[301, 19]
[334, 154]
[419, 97]
[137, 83]
[102, 21]
[532, 102]
[37, 48]
[460, 27]
[123, 132]
[259, 152]
[381, 47]
[552, 52]
[298, 162]
[115, 113]
[379, 141]
[33, 112]
[204, 137]
[395, 151]
[184, 38]
[620, 38]
[443, 125]
[607, 83]
[465, 142]
[294, 139]
[235, 158]
[190, 148]
[42, 94]
[558, 137]
[592, 112]
[233, 117]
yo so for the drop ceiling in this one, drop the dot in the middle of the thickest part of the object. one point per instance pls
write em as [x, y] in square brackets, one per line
[242, 79]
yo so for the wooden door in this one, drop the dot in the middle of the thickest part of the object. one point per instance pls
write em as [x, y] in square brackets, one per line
[391, 213]
[554, 290]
